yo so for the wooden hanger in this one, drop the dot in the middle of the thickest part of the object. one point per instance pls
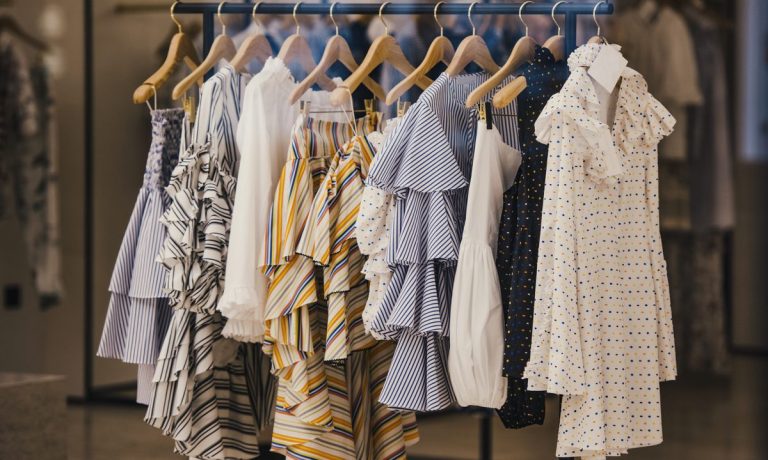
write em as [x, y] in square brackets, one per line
[296, 49]
[9, 23]
[254, 47]
[441, 50]
[523, 51]
[336, 50]
[556, 43]
[222, 48]
[384, 49]
[597, 38]
[181, 49]
[472, 49]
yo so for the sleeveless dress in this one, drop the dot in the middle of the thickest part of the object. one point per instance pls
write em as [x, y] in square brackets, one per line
[139, 313]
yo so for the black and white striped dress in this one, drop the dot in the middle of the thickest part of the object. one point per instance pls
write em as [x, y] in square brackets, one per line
[211, 394]
[426, 163]
[138, 314]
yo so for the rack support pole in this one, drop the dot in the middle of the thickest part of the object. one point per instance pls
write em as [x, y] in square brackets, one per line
[570, 32]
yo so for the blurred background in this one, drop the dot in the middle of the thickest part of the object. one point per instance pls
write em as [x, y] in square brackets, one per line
[61, 226]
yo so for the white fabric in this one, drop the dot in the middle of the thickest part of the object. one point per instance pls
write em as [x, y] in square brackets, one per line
[476, 354]
[263, 138]
[602, 326]
[372, 233]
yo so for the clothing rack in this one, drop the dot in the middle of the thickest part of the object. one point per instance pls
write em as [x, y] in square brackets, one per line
[209, 11]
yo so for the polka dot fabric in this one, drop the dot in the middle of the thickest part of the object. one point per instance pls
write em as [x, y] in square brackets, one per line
[602, 329]
[519, 240]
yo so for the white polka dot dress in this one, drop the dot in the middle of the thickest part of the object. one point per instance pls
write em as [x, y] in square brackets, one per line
[602, 333]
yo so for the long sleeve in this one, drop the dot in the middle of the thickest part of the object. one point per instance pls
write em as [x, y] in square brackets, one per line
[556, 362]
[263, 134]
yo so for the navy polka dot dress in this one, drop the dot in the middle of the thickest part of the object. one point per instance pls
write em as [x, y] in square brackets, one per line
[519, 239]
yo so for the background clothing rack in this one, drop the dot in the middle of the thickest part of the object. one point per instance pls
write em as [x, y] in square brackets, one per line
[570, 10]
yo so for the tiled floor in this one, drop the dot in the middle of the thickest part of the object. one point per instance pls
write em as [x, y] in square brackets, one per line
[704, 418]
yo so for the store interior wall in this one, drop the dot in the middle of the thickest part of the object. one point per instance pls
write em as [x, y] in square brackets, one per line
[51, 340]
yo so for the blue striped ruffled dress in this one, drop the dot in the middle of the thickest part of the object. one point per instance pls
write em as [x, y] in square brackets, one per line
[426, 163]
[139, 313]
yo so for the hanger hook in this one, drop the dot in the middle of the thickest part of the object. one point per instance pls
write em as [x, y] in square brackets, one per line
[594, 15]
[469, 16]
[253, 14]
[332, 19]
[381, 17]
[295, 19]
[154, 94]
[520, 16]
[221, 21]
[173, 16]
[553, 15]
[437, 6]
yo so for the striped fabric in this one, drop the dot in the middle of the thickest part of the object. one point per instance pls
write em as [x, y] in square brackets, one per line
[203, 188]
[426, 163]
[210, 394]
[330, 370]
[139, 314]
[329, 240]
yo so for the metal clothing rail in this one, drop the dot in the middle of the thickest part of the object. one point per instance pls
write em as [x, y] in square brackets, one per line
[571, 10]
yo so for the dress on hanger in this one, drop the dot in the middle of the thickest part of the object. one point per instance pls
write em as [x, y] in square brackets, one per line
[519, 240]
[211, 394]
[330, 370]
[426, 163]
[139, 313]
[476, 355]
[602, 330]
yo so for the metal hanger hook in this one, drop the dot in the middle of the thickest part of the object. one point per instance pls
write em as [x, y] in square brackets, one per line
[553, 16]
[381, 17]
[173, 16]
[520, 16]
[469, 16]
[253, 14]
[295, 19]
[330, 12]
[221, 21]
[594, 15]
[434, 13]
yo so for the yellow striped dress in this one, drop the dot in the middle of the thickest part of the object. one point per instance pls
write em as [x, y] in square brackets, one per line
[327, 405]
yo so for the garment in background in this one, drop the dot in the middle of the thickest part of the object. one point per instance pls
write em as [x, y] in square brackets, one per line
[28, 162]
[602, 330]
[477, 316]
[709, 137]
[139, 313]
[426, 163]
[656, 41]
[519, 240]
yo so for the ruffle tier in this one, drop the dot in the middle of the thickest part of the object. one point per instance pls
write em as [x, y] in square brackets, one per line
[138, 313]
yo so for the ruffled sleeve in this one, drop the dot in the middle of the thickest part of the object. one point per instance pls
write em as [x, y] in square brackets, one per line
[589, 138]
[556, 361]
[411, 154]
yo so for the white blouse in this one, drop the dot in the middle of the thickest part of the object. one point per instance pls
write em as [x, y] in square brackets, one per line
[263, 138]
[602, 331]
[476, 354]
